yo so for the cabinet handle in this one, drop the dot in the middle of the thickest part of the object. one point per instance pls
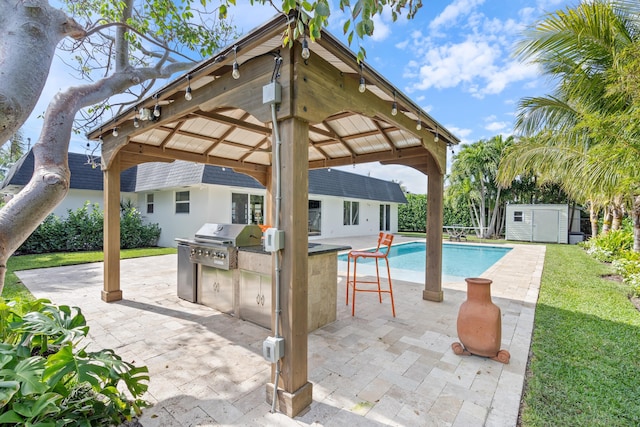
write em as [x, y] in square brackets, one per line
[262, 301]
[258, 299]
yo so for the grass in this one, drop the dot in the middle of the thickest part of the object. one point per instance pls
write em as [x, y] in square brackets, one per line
[584, 365]
[14, 289]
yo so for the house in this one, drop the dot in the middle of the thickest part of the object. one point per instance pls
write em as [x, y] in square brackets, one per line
[545, 223]
[180, 196]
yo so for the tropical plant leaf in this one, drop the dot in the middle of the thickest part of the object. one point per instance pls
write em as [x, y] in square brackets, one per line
[8, 389]
[28, 373]
[39, 409]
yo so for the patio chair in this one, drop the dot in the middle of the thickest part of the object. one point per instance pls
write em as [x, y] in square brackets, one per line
[382, 252]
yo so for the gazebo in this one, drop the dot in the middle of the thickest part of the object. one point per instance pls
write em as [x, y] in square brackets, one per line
[329, 111]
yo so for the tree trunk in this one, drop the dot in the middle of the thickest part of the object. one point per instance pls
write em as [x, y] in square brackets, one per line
[616, 211]
[606, 220]
[31, 31]
[593, 217]
[636, 223]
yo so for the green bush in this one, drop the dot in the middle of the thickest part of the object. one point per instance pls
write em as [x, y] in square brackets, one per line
[413, 215]
[48, 379]
[82, 230]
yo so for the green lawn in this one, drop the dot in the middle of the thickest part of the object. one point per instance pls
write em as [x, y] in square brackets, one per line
[585, 355]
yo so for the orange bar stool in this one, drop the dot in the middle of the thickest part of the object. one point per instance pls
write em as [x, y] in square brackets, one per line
[382, 252]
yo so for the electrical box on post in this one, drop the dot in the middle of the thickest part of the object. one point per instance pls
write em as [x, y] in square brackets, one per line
[272, 93]
[273, 349]
[273, 239]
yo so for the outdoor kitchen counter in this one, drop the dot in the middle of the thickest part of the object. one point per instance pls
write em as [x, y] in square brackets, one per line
[255, 269]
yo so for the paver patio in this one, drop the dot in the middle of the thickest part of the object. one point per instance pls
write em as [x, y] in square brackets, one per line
[207, 368]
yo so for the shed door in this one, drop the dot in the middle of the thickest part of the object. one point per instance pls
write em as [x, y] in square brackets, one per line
[545, 226]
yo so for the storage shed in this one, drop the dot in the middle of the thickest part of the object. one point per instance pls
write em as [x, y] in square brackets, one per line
[543, 223]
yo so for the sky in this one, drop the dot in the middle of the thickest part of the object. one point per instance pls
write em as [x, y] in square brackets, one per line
[454, 59]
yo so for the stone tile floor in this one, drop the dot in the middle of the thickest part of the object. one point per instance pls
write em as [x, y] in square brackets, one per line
[206, 368]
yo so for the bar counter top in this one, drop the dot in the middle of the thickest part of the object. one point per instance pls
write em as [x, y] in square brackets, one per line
[314, 249]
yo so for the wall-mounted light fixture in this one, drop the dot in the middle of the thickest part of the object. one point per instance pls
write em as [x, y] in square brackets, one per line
[187, 93]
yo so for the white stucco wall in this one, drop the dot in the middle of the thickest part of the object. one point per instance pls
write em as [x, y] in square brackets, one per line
[216, 201]
[77, 198]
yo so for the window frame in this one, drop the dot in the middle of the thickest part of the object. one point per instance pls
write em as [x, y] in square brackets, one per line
[150, 202]
[351, 212]
[181, 203]
[518, 216]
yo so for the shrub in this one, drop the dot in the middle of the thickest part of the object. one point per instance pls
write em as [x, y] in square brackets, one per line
[82, 230]
[47, 378]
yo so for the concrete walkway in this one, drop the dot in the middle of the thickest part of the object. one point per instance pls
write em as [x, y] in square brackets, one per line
[207, 368]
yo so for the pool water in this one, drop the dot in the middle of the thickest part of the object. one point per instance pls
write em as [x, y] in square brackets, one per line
[458, 261]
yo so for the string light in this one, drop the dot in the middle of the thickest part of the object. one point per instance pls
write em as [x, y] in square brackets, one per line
[436, 138]
[419, 123]
[236, 67]
[156, 108]
[115, 132]
[305, 48]
[363, 84]
[136, 122]
[187, 92]
[394, 106]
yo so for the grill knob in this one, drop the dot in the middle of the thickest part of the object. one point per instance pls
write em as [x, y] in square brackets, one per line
[199, 251]
[193, 251]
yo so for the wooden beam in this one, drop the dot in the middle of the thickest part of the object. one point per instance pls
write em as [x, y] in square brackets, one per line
[240, 123]
[400, 156]
[173, 154]
[295, 392]
[111, 237]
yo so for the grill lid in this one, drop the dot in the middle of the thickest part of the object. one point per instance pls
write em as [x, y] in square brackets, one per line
[229, 234]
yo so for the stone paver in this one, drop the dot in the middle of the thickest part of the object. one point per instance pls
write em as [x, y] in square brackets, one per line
[373, 369]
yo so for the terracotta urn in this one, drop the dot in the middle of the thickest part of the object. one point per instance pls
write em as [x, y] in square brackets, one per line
[480, 323]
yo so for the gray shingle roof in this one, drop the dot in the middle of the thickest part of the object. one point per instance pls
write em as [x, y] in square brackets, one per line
[83, 175]
[156, 176]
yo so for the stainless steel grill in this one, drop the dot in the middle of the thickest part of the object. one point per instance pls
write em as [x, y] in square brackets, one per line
[216, 245]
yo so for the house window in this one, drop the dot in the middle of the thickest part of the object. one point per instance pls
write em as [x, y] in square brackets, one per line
[351, 213]
[517, 216]
[182, 202]
[150, 203]
[385, 217]
[247, 209]
[315, 217]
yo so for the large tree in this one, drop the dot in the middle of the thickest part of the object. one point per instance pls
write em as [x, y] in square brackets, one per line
[584, 49]
[120, 47]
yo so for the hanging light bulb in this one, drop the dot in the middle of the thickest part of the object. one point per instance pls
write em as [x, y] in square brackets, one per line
[436, 138]
[363, 85]
[136, 122]
[236, 67]
[187, 93]
[419, 124]
[115, 132]
[306, 53]
[156, 110]
[236, 70]
[394, 108]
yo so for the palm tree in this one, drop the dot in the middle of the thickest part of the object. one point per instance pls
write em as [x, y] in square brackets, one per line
[580, 48]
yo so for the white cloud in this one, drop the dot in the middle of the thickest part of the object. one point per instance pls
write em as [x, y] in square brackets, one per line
[496, 126]
[381, 30]
[452, 13]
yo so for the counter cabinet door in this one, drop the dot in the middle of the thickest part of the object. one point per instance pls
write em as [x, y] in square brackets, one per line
[255, 298]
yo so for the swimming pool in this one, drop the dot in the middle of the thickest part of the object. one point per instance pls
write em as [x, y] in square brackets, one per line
[458, 261]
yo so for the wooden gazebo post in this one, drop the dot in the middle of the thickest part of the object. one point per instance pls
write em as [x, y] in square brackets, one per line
[295, 391]
[111, 288]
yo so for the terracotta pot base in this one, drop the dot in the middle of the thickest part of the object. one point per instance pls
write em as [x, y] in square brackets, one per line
[503, 356]
[480, 323]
